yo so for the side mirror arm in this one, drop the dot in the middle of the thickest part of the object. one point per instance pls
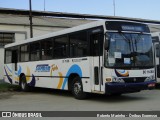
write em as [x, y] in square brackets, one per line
[106, 42]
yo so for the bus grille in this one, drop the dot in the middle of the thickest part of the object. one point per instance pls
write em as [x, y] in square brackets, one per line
[134, 80]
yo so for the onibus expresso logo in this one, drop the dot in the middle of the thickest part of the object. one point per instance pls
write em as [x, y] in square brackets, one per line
[46, 68]
[42, 68]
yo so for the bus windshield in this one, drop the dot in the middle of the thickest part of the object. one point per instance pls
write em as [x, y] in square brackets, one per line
[129, 50]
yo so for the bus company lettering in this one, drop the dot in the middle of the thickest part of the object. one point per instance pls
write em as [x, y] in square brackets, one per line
[54, 67]
[43, 68]
[46, 68]
[148, 71]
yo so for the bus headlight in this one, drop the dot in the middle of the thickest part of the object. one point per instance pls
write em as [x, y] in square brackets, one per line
[117, 80]
[152, 77]
[108, 79]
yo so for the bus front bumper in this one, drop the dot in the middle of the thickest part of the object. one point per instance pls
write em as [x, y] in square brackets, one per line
[118, 88]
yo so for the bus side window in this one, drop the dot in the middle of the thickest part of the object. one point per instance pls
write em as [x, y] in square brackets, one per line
[8, 56]
[157, 50]
[24, 53]
[96, 42]
[34, 51]
[60, 49]
[46, 49]
[78, 44]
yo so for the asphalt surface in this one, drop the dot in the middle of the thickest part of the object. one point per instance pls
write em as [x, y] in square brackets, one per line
[55, 100]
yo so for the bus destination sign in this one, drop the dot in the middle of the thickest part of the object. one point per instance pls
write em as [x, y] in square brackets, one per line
[132, 28]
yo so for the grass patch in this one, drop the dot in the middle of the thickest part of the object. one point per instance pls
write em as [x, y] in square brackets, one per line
[4, 87]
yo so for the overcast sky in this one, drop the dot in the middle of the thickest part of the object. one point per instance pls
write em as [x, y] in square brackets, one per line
[146, 9]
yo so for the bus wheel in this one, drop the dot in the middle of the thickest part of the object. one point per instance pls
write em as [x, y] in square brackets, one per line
[23, 84]
[77, 89]
[116, 94]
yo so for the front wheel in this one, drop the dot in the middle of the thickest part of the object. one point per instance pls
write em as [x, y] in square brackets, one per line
[23, 84]
[116, 94]
[77, 89]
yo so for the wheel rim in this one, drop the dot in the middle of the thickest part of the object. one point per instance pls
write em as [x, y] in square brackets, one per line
[23, 85]
[77, 88]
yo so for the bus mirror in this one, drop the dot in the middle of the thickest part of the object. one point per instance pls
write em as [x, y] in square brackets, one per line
[106, 43]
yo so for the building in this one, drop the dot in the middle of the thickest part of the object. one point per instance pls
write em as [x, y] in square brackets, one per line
[15, 25]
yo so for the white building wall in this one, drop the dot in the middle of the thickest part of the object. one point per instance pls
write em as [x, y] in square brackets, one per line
[19, 36]
[19, 30]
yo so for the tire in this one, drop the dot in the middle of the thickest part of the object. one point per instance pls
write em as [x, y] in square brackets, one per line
[23, 84]
[77, 89]
[116, 94]
[157, 85]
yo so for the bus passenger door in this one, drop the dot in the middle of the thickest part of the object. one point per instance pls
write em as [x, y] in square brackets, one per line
[14, 64]
[96, 51]
[157, 60]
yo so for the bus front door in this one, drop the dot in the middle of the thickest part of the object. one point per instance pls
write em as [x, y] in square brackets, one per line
[157, 60]
[96, 51]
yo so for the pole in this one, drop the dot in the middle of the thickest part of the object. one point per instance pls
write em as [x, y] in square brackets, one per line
[114, 6]
[44, 5]
[30, 18]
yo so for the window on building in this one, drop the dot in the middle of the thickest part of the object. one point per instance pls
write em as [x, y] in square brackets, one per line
[46, 49]
[6, 38]
[61, 47]
[24, 51]
[34, 51]
[78, 44]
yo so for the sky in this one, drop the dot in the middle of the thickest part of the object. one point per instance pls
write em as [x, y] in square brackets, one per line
[145, 9]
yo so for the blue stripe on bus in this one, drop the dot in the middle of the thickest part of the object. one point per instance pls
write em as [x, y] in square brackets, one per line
[16, 73]
[9, 79]
[74, 69]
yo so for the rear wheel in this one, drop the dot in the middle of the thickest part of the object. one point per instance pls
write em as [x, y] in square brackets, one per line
[23, 84]
[77, 89]
[116, 94]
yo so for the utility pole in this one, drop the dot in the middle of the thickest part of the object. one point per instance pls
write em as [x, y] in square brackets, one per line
[30, 18]
[44, 5]
[114, 6]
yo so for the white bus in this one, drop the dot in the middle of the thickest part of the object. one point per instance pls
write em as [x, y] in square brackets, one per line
[156, 41]
[104, 57]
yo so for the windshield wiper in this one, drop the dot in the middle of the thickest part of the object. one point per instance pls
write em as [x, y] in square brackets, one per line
[137, 39]
[128, 40]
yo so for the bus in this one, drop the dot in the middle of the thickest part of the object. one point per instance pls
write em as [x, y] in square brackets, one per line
[156, 46]
[105, 57]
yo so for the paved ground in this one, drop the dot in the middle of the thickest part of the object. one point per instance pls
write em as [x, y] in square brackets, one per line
[55, 100]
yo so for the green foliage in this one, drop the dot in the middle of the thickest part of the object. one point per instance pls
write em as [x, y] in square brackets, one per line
[4, 87]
